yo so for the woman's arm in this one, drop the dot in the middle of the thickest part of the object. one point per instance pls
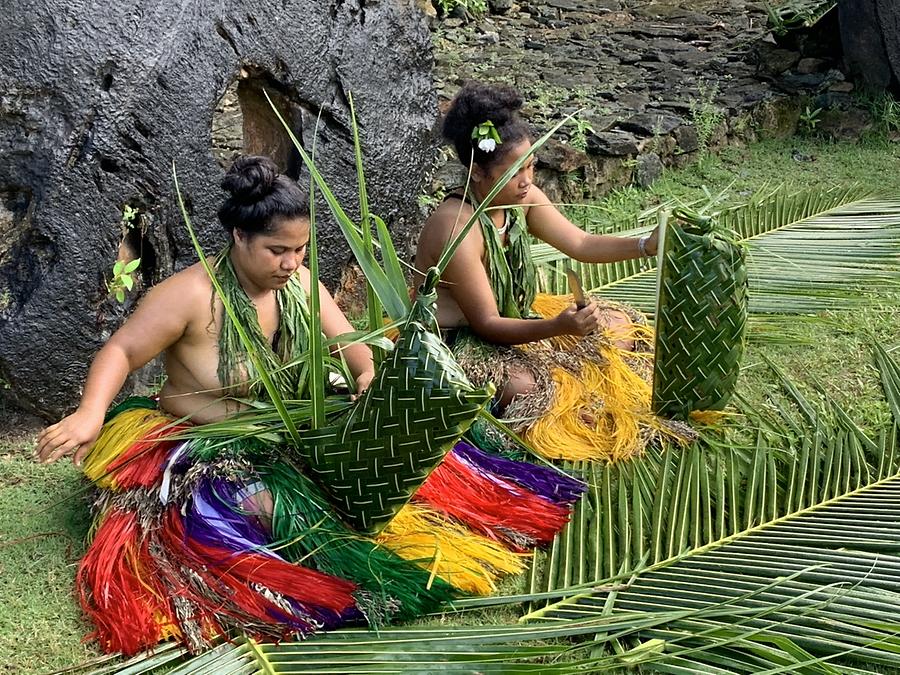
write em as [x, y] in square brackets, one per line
[547, 223]
[468, 283]
[159, 321]
[334, 323]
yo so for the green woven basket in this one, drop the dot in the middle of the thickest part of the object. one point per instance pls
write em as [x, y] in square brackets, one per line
[419, 404]
[701, 315]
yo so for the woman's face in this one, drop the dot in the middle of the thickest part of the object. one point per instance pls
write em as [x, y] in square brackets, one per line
[269, 259]
[516, 190]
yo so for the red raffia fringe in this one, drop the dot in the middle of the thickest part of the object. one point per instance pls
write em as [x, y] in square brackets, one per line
[491, 505]
[233, 576]
[118, 590]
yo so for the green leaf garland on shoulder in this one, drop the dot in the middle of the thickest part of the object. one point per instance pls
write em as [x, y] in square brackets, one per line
[236, 370]
[511, 271]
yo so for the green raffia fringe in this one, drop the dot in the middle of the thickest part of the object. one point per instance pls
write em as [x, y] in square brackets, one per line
[306, 529]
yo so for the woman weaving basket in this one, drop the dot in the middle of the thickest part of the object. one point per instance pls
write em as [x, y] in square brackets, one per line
[575, 388]
[195, 539]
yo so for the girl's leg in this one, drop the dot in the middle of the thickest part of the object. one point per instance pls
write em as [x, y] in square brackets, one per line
[520, 382]
[256, 502]
[618, 324]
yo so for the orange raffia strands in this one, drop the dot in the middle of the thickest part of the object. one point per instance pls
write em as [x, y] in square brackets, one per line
[131, 450]
[491, 506]
[467, 561]
[118, 589]
[598, 414]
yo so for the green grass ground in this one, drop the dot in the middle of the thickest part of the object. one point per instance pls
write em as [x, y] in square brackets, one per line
[43, 510]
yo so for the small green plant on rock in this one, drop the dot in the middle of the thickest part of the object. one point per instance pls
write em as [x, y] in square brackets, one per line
[809, 120]
[123, 278]
[123, 270]
[706, 116]
[476, 7]
[578, 135]
[130, 217]
[430, 201]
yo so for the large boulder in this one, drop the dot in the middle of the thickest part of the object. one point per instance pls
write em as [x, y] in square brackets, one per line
[870, 34]
[97, 100]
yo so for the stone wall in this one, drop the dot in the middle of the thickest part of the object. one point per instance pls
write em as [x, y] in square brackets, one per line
[658, 82]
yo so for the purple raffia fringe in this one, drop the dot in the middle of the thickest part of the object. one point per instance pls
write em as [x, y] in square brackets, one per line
[546, 482]
[216, 518]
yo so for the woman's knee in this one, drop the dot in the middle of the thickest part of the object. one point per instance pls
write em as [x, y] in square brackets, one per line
[618, 325]
[520, 383]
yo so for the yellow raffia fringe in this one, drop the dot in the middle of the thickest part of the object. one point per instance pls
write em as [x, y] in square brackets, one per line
[462, 558]
[709, 418]
[598, 414]
[115, 438]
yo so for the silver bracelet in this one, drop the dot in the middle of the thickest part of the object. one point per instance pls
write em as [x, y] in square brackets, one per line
[642, 246]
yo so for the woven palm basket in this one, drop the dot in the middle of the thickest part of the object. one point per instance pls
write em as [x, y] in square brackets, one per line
[701, 315]
[372, 460]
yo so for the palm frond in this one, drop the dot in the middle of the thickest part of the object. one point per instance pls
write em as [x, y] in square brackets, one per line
[792, 14]
[391, 291]
[807, 252]
[767, 210]
[676, 500]
[839, 560]
[317, 351]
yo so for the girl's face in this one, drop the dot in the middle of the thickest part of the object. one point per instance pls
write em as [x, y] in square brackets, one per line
[269, 259]
[516, 190]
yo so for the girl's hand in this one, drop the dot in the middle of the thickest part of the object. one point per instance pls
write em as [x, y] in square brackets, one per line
[75, 433]
[652, 245]
[574, 321]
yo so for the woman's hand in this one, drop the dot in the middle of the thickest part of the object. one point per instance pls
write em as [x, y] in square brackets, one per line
[574, 321]
[363, 381]
[652, 245]
[75, 433]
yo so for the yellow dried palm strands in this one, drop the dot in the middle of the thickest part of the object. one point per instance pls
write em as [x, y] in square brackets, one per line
[116, 437]
[468, 561]
[600, 413]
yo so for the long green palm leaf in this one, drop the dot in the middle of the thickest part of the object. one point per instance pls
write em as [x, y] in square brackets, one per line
[675, 500]
[807, 252]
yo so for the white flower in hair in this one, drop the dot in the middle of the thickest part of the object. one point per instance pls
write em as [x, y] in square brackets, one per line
[487, 136]
[487, 145]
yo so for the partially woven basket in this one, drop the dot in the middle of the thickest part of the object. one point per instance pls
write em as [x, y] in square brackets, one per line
[419, 404]
[701, 316]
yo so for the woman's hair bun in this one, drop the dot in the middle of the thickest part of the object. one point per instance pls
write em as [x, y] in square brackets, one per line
[259, 195]
[477, 103]
[250, 178]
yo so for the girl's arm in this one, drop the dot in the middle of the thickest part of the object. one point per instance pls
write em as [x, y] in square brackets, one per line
[468, 283]
[159, 321]
[547, 223]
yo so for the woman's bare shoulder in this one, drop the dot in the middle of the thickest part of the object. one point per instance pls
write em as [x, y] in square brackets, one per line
[184, 290]
[448, 220]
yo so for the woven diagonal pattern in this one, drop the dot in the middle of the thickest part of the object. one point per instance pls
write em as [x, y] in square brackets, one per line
[700, 320]
[373, 460]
